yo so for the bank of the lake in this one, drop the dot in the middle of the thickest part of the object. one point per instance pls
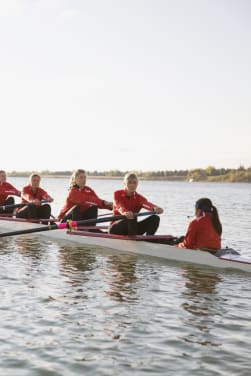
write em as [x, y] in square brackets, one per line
[210, 174]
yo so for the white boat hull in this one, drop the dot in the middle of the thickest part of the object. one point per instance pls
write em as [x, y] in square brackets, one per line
[145, 248]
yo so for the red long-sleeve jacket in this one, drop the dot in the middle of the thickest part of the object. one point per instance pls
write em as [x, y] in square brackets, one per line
[201, 234]
[123, 203]
[28, 195]
[6, 189]
[84, 197]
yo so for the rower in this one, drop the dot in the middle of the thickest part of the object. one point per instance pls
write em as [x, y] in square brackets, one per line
[128, 201]
[6, 192]
[33, 193]
[204, 231]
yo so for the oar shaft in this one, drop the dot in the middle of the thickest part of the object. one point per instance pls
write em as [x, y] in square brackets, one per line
[107, 219]
[71, 224]
[29, 230]
[6, 207]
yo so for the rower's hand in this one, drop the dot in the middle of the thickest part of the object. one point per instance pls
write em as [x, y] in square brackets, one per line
[158, 210]
[108, 204]
[129, 215]
[36, 202]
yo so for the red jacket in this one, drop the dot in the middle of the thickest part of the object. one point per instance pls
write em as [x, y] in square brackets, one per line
[84, 197]
[201, 234]
[123, 203]
[6, 189]
[28, 195]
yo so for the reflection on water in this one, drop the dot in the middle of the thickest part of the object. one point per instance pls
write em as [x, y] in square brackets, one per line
[32, 249]
[29, 255]
[202, 303]
[76, 263]
[76, 266]
[68, 310]
[120, 276]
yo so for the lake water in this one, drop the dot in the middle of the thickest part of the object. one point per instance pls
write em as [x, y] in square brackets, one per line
[68, 310]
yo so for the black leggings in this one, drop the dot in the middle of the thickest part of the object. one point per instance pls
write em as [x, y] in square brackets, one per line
[131, 227]
[35, 212]
[9, 201]
[76, 215]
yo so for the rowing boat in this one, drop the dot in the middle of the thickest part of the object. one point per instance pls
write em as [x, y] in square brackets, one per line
[141, 245]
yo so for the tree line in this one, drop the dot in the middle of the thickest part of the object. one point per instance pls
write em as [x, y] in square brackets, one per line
[210, 174]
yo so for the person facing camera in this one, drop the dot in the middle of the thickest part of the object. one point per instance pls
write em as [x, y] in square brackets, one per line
[34, 195]
[7, 190]
[128, 201]
[81, 202]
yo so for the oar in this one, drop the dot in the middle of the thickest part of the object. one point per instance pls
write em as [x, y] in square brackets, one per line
[71, 224]
[6, 207]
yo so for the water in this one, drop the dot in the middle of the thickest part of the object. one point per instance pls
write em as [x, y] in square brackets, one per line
[69, 310]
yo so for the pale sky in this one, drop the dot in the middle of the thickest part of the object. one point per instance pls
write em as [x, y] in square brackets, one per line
[125, 84]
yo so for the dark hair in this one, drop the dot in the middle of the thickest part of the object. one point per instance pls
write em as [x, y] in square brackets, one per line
[205, 204]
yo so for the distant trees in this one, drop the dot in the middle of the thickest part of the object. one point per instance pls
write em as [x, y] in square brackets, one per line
[199, 174]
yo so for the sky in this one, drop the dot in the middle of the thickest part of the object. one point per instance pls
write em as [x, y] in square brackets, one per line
[125, 84]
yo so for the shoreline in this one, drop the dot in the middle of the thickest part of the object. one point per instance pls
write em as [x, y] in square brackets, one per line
[209, 174]
[141, 178]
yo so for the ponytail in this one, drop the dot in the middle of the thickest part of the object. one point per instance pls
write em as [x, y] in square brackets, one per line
[216, 221]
